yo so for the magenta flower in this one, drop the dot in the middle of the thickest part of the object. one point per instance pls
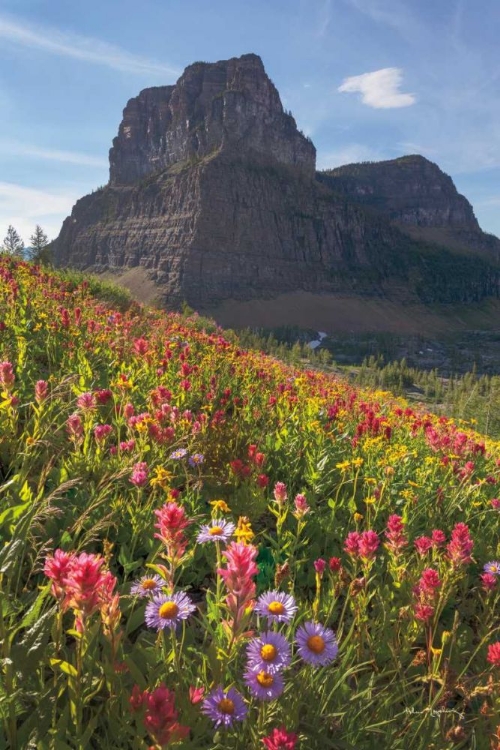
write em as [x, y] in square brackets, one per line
[276, 606]
[217, 530]
[269, 652]
[224, 707]
[316, 644]
[351, 544]
[301, 506]
[139, 475]
[368, 545]
[280, 493]
[264, 685]
[167, 611]
[460, 547]
[423, 544]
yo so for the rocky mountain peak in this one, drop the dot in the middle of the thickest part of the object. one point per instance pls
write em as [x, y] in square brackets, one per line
[410, 190]
[230, 105]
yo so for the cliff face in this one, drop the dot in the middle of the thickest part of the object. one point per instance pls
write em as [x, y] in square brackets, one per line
[213, 191]
[229, 106]
[418, 197]
[410, 190]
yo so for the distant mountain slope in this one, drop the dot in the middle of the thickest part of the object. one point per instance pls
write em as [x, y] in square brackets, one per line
[417, 196]
[213, 192]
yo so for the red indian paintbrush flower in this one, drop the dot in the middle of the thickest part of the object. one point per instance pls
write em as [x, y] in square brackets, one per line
[160, 715]
[396, 540]
[80, 583]
[238, 577]
[460, 547]
[280, 739]
[494, 654]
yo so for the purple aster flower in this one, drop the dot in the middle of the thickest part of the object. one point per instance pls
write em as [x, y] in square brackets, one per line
[167, 611]
[493, 568]
[179, 453]
[269, 652]
[317, 645]
[264, 685]
[276, 606]
[196, 459]
[147, 585]
[216, 531]
[224, 706]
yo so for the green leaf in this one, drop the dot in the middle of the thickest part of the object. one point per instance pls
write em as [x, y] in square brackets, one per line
[64, 666]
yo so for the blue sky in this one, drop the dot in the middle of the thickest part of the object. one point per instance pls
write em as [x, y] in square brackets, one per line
[365, 79]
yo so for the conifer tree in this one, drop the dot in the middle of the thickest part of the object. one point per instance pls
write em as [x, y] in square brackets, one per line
[13, 244]
[39, 251]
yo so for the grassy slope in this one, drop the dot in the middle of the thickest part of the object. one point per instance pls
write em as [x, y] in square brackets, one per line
[357, 456]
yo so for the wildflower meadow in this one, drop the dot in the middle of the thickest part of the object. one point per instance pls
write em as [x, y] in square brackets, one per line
[201, 547]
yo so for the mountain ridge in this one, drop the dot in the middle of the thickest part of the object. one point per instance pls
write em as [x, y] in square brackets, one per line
[213, 192]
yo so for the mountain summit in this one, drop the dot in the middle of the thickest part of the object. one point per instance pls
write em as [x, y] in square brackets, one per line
[213, 193]
[230, 106]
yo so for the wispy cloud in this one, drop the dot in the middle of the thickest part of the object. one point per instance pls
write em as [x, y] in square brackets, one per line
[379, 89]
[88, 49]
[15, 148]
[23, 207]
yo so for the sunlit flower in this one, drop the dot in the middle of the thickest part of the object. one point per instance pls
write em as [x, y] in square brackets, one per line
[264, 685]
[316, 644]
[243, 532]
[178, 454]
[147, 585]
[276, 606]
[280, 492]
[224, 707]
[280, 739]
[139, 475]
[217, 530]
[493, 568]
[269, 652]
[196, 459]
[494, 654]
[220, 506]
[167, 611]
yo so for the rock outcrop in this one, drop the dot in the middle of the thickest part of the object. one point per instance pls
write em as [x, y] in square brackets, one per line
[229, 106]
[418, 197]
[213, 191]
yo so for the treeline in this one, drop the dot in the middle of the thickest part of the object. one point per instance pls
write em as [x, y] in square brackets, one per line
[38, 250]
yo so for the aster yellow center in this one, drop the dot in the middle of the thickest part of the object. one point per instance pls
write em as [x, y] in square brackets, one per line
[226, 706]
[265, 679]
[215, 530]
[268, 652]
[168, 610]
[316, 644]
[149, 584]
[276, 608]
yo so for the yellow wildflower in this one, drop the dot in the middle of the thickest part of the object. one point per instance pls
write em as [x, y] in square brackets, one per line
[161, 478]
[358, 462]
[220, 505]
[343, 466]
[358, 517]
[244, 531]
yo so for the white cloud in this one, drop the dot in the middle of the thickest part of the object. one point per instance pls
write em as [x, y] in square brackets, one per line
[68, 44]
[15, 148]
[23, 207]
[349, 154]
[379, 89]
